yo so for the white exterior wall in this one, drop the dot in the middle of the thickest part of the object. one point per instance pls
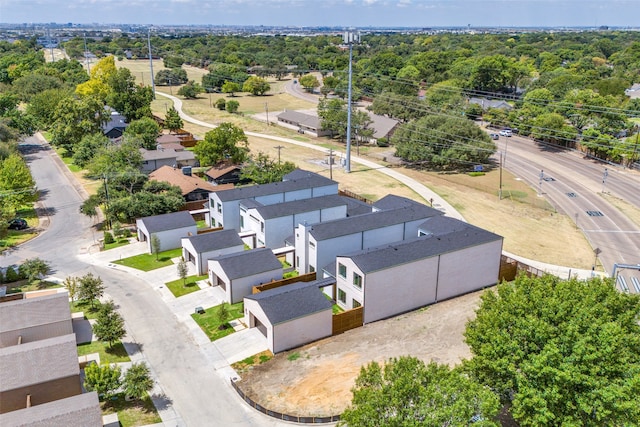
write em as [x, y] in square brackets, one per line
[325, 190]
[215, 217]
[143, 234]
[276, 230]
[346, 284]
[326, 251]
[243, 286]
[252, 308]
[303, 330]
[399, 289]
[411, 229]
[170, 239]
[215, 270]
[202, 258]
[383, 236]
[469, 269]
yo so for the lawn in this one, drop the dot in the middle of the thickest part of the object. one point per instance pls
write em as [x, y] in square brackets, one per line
[256, 359]
[179, 289]
[116, 244]
[85, 308]
[15, 237]
[208, 321]
[201, 223]
[116, 354]
[133, 413]
[335, 309]
[67, 159]
[148, 262]
[37, 285]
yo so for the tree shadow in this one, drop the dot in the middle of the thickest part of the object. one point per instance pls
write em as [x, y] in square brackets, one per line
[161, 401]
[132, 347]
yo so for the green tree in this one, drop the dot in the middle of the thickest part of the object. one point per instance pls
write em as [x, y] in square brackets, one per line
[34, 269]
[146, 129]
[262, 169]
[156, 245]
[222, 313]
[183, 271]
[256, 86]
[137, 380]
[191, 90]
[91, 288]
[406, 392]
[44, 105]
[17, 187]
[105, 379]
[309, 82]
[109, 324]
[154, 198]
[127, 97]
[560, 352]
[73, 287]
[231, 88]
[75, 118]
[88, 147]
[171, 77]
[172, 120]
[116, 160]
[221, 104]
[232, 106]
[227, 142]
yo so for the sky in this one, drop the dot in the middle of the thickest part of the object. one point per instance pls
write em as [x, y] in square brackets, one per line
[334, 13]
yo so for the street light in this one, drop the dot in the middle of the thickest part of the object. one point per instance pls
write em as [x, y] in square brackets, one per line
[604, 178]
[349, 38]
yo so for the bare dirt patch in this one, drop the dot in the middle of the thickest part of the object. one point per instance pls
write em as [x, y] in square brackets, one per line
[318, 382]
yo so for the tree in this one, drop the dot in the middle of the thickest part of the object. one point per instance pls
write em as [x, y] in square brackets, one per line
[222, 314]
[221, 104]
[75, 118]
[137, 380]
[172, 120]
[73, 287]
[98, 85]
[256, 86]
[105, 379]
[183, 271]
[309, 82]
[190, 90]
[91, 288]
[231, 88]
[109, 324]
[127, 97]
[232, 106]
[34, 269]
[560, 352]
[405, 392]
[88, 147]
[17, 187]
[155, 245]
[262, 169]
[155, 198]
[147, 129]
[171, 77]
[227, 142]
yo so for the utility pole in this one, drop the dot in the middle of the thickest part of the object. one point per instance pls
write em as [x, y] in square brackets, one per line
[604, 178]
[279, 147]
[349, 38]
[500, 189]
[540, 183]
[330, 163]
[153, 83]
[86, 55]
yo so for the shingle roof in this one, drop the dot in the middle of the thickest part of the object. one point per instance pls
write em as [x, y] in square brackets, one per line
[356, 207]
[300, 206]
[407, 251]
[218, 171]
[82, 410]
[441, 225]
[291, 301]
[382, 125]
[253, 191]
[167, 138]
[215, 240]
[298, 174]
[248, 263]
[308, 120]
[27, 313]
[166, 154]
[170, 221]
[355, 224]
[391, 201]
[186, 183]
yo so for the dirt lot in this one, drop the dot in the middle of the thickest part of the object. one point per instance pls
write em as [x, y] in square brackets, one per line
[318, 382]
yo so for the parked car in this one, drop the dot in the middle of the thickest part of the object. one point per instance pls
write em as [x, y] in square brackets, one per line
[506, 132]
[494, 136]
[18, 224]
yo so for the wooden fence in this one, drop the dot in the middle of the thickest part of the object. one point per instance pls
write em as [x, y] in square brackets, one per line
[277, 283]
[510, 268]
[346, 320]
[209, 230]
[348, 193]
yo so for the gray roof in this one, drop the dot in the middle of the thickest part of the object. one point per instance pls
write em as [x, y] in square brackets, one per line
[300, 206]
[298, 173]
[408, 251]
[370, 221]
[441, 225]
[356, 207]
[39, 361]
[215, 240]
[170, 221]
[308, 120]
[292, 301]
[167, 153]
[82, 410]
[250, 203]
[30, 312]
[490, 103]
[382, 125]
[391, 201]
[253, 191]
[248, 263]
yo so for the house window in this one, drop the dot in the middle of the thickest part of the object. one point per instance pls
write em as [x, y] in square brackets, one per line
[342, 296]
[297, 261]
[219, 207]
[312, 269]
[261, 227]
[241, 222]
[357, 280]
[355, 304]
[342, 271]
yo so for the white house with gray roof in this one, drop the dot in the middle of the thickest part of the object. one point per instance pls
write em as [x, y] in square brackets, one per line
[290, 316]
[224, 205]
[237, 273]
[170, 229]
[317, 245]
[202, 247]
[450, 258]
[272, 224]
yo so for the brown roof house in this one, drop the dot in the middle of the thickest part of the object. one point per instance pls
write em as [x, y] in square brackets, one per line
[193, 188]
[223, 174]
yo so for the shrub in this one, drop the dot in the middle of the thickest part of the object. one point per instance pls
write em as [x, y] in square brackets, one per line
[126, 233]
[232, 106]
[108, 238]
[382, 142]
[11, 275]
[221, 104]
[1, 277]
[117, 229]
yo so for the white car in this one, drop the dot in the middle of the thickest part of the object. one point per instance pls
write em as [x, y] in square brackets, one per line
[506, 132]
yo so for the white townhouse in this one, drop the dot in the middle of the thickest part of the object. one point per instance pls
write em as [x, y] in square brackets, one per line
[169, 228]
[202, 247]
[224, 205]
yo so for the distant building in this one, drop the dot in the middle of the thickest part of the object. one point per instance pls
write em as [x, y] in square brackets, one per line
[491, 103]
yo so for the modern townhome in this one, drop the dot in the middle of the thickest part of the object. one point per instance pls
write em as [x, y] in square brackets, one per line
[450, 258]
[170, 229]
[291, 315]
[237, 273]
[202, 247]
[317, 245]
[272, 224]
[224, 206]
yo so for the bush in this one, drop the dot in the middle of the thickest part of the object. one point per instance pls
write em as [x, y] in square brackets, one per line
[1, 277]
[117, 229]
[108, 238]
[11, 275]
[382, 142]
[221, 104]
[126, 232]
[232, 106]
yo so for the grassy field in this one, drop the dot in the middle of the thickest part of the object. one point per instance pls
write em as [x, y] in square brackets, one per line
[15, 237]
[23, 286]
[133, 413]
[178, 288]
[116, 244]
[115, 354]
[148, 262]
[85, 307]
[208, 321]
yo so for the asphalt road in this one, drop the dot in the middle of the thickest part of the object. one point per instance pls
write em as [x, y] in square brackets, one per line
[573, 185]
[199, 394]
